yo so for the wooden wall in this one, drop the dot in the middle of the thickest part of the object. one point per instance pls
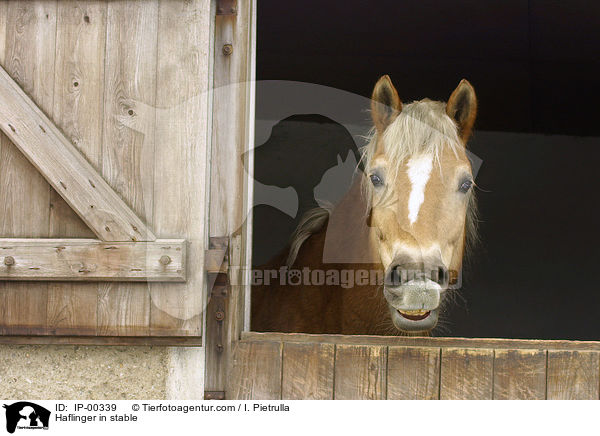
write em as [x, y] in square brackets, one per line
[279, 366]
[127, 83]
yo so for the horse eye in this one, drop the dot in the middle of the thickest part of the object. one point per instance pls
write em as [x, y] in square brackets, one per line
[376, 180]
[465, 186]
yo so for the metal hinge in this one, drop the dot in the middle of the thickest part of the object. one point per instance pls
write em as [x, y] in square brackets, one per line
[214, 395]
[216, 258]
[226, 7]
[217, 268]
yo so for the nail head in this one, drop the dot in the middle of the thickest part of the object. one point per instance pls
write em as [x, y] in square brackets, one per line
[165, 260]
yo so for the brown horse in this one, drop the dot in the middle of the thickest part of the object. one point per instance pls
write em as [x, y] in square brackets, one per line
[384, 259]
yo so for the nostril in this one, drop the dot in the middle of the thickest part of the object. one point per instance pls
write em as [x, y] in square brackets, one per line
[395, 276]
[442, 275]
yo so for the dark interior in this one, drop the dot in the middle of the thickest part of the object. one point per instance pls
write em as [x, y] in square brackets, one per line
[535, 66]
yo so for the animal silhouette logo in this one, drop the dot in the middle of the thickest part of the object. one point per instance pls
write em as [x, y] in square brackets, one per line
[24, 414]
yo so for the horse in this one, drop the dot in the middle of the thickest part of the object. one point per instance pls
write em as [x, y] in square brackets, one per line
[384, 260]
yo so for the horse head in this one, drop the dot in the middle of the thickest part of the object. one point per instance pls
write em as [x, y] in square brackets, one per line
[418, 184]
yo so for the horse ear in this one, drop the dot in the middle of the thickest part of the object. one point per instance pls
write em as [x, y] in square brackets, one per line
[462, 108]
[385, 103]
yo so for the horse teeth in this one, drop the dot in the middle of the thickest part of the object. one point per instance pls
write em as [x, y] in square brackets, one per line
[414, 312]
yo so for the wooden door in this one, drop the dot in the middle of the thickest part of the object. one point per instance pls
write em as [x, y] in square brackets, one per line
[103, 170]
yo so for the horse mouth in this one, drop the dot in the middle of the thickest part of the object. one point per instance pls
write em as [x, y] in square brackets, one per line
[414, 321]
[414, 315]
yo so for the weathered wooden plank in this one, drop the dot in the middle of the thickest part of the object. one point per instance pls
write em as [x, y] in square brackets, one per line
[72, 309]
[466, 374]
[413, 373]
[50, 338]
[130, 79]
[231, 133]
[307, 371]
[29, 52]
[230, 120]
[78, 112]
[519, 375]
[128, 153]
[248, 76]
[489, 343]
[181, 156]
[29, 57]
[123, 309]
[360, 372]
[78, 96]
[3, 24]
[91, 259]
[69, 173]
[573, 375]
[255, 371]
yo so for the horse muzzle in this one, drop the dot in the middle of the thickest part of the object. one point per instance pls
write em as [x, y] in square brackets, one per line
[413, 291]
[414, 305]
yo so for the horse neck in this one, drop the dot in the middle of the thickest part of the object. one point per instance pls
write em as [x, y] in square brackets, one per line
[350, 243]
[349, 239]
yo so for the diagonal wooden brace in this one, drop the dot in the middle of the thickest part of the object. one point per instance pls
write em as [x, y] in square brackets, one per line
[65, 168]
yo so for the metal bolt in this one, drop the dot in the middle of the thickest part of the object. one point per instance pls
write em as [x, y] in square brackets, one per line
[220, 315]
[219, 348]
[227, 49]
[165, 260]
[9, 260]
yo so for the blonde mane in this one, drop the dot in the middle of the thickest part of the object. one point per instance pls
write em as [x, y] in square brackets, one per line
[311, 222]
[422, 127]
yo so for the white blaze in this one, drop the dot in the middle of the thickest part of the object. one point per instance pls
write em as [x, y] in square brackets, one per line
[419, 170]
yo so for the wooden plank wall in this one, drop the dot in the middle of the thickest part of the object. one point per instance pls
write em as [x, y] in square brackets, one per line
[315, 370]
[127, 83]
